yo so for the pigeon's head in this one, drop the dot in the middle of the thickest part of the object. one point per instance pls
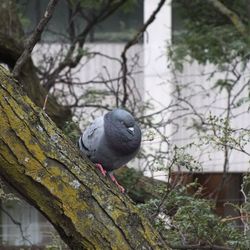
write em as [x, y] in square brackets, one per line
[122, 129]
[124, 120]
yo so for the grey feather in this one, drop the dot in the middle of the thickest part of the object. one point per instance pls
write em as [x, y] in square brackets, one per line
[111, 140]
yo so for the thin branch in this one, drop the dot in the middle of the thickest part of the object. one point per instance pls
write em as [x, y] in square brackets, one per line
[244, 220]
[17, 223]
[235, 218]
[34, 38]
[234, 18]
[132, 42]
[71, 61]
[45, 102]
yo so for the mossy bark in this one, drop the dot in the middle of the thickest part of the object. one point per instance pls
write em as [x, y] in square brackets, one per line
[47, 169]
[11, 47]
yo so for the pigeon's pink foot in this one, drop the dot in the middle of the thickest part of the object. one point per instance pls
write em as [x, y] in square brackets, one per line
[122, 189]
[103, 171]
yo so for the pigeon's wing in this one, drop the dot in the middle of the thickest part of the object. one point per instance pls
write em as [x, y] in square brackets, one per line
[90, 139]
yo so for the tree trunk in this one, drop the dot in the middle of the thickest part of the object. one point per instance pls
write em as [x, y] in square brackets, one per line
[11, 47]
[43, 165]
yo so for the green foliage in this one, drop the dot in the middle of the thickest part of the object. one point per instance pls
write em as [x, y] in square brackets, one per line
[129, 179]
[246, 195]
[71, 129]
[181, 158]
[23, 19]
[217, 45]
[184, 219]
[206, 35]
[220, 134]
[5, 195]
[201, 13]
[223, 84]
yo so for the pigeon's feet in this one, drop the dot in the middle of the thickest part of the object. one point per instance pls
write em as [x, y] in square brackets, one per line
[103, 171]
[122, 189]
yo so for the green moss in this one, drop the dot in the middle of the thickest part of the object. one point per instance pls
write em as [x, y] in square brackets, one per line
[44, 165]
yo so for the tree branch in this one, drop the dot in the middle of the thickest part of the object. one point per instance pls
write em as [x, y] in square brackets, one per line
[43, 165]
[129, 44]
[71, 60]
[34, 38]
[17, 223]
[11, 48]
[234, 18]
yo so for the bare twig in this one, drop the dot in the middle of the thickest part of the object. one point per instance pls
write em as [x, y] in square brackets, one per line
[235, 218]
[16, 223]
[71, 60]
[45, 102]
[34, 38]
[129, 44]
[244, 219]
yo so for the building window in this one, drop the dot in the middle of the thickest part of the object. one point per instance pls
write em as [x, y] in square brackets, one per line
[119, 27]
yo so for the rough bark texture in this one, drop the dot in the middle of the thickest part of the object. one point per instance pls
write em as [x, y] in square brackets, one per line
[11, 48]
[46, 168]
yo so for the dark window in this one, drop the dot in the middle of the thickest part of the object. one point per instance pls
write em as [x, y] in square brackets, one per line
[119, 27]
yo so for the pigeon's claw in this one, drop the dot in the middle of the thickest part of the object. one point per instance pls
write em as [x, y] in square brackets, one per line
[122, 189]
[103, 171]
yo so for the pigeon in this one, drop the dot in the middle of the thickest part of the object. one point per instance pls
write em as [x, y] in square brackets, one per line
[111, 141]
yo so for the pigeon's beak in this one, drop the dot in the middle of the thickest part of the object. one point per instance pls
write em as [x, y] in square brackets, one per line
[131, 130]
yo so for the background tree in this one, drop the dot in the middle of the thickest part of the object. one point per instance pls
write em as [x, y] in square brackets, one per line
[212, 37]
[46, 168]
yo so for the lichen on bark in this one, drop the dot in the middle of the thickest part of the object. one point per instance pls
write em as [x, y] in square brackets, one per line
[41, 163]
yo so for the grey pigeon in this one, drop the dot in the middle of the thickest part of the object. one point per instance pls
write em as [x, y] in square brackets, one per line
[111, 141]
